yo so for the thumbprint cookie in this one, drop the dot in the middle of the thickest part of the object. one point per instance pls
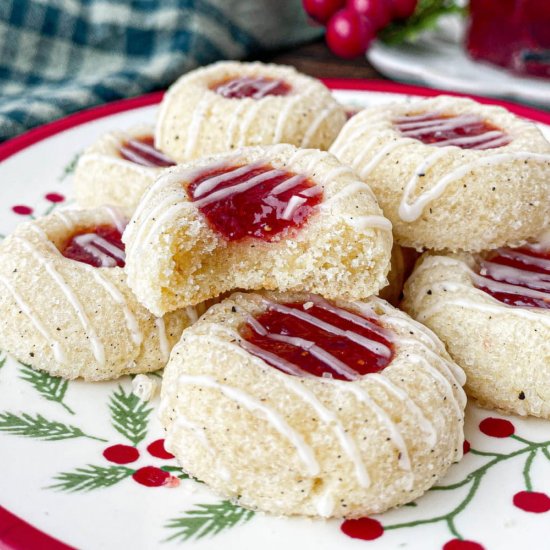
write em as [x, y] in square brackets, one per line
[451, 173]
[229, 105]
[118, 169]
[65, 307]
[492, 311]
[292, 404]
[275, 218]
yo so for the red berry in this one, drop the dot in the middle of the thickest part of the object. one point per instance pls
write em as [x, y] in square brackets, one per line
[121, 454]
[466, 446]
[349, 34]
[402, 9]
[530, 501]
[150, 476]
[363, 528]
[459, 544]
[55, 197]
[157, 449]
[497, 427]
[322, 10]
[22, 210]
[375, 11]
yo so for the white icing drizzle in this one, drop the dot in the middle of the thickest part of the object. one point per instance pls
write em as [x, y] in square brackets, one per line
[384, 419]
[64, 220]
[185, 423]
[97, 347]
[118, 218]
[347, 191]
[362, 223]
[411, 212]
[304, 451]
[233, 125]
[192, 314]
[210, 184]
[324, 504]
[92, 244]
[345, 142]
[263, 87]
[380, 154]
[57, 349]
[371, 345]
[254, 107]
[272, 359]
[436, 125]
[289, 183]
[526, 258]
[163, 340]
[196, 124]
[135, 157]
[517, 280]
[330, 418]
[131, 320]
[285, 112]
[145, 387]
[292, 206]
[317, 121]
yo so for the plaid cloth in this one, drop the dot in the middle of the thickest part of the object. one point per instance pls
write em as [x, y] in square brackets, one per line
[60, 56]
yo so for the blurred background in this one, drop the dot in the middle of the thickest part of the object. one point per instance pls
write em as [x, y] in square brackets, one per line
[60, 56]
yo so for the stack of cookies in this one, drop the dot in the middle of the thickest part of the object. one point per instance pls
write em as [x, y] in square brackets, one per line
[245, 243]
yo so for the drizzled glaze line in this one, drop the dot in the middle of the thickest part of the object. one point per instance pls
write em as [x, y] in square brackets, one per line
[317, 121]
[97, 347]
[195, 125]
[163, 340]
[131, 320]
[57, 349]
[304, 451]
[284, 113]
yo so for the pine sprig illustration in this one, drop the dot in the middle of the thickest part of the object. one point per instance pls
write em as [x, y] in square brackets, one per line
[70, 167]
[3, 359]
[129, 415]
[53, 388]
[90, 477]
[208, 520]
[39, 427]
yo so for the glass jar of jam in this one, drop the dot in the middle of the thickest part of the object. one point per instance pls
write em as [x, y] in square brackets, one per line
[514, 34]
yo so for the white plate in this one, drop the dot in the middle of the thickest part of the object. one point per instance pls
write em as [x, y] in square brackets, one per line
[438, 59]
[130, 515]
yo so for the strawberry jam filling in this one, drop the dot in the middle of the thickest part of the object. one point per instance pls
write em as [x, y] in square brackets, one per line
[253, 87]
[141, 150]
[317, 338]
[254, 200]
[517, 277]
[99, 246]
[464, 131]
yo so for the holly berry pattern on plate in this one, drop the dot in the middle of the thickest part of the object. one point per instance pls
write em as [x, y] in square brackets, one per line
[86, 463]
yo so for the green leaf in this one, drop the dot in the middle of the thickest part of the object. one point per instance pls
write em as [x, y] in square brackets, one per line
[129, 415]
[39, 427]
[208, 519]
[91, 477]
[53, 388]
[3, 358]
[426, 16]
[70, 167]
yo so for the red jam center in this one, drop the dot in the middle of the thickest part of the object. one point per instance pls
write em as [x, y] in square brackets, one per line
[141, 150]
[317, 338]
[464, 131]
[517, 277]
[99, 246]
[253, 200]
[255, 88]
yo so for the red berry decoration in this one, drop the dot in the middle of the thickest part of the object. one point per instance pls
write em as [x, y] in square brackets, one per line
[459, 544]
[150, 476]
[363, 528]
[349, 34]
[157, 449]
[121, 454]
[322, 10]
[402, 9]
[376, 11]
[22, 210]
[466, 447]
[55, 197]
[530, 501]
[497, 427]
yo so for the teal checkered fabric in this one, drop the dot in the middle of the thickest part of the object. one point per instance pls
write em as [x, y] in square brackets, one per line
[60, 56]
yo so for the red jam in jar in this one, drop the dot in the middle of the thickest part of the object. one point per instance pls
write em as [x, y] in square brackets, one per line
[514, 34]
[254, 200]
[465, 131]
[317, 338]
[517, 276]
[99, 246]
[253, 87]
[141, 150]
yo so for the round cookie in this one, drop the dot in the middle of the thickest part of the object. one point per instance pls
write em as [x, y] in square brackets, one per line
[290, 404]
[436, 165]
[277, 218]
[229, 105]
[493, 314]
[61, 314]
[118, 168]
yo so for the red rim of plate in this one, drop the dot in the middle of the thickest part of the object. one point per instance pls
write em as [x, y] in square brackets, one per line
[17, 534]
[14, 145]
